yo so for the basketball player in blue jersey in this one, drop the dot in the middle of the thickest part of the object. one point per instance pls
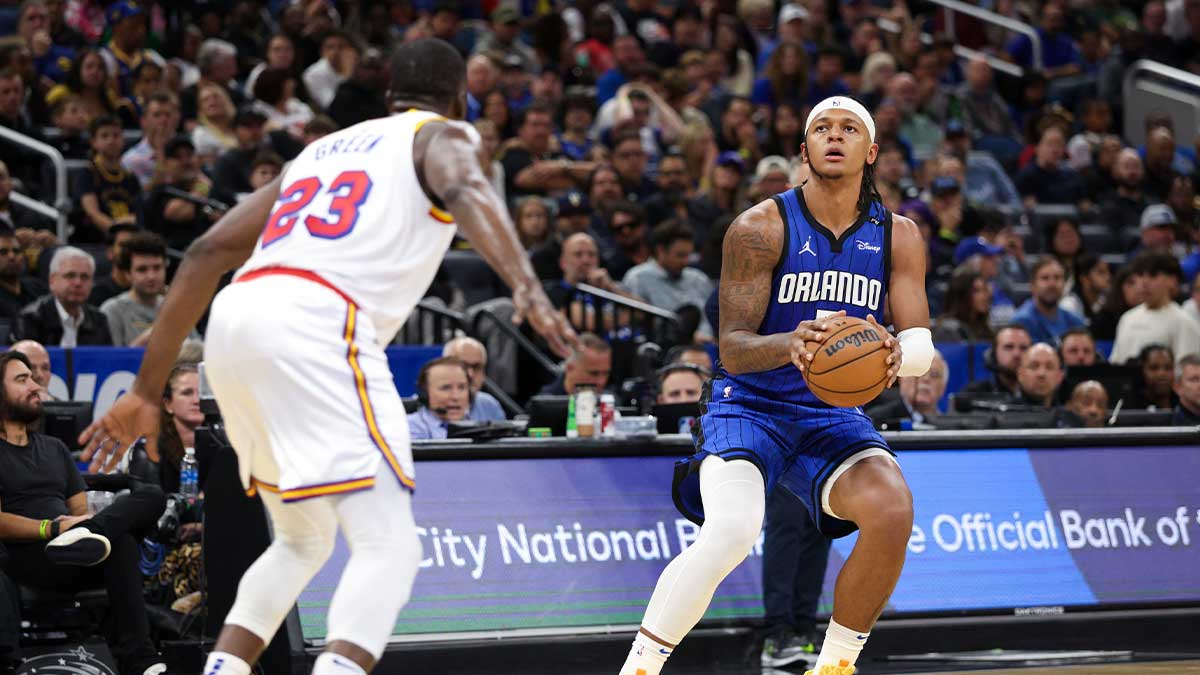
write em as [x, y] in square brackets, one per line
[792, 262]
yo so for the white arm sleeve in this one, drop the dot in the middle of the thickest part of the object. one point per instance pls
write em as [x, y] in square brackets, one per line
[916, 348]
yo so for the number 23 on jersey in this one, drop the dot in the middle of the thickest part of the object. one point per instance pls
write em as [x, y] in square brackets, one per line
[347, 194]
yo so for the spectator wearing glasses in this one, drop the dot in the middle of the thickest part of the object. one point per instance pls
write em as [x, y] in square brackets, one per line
[63, 318]
[473, 355]
[629, 159]
[919, 396]
[627, 223]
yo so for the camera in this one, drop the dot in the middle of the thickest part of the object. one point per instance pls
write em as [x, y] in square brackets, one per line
[167, 530]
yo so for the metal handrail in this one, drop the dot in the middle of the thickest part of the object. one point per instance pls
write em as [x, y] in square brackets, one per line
[523, 342]
[1155, 68]
[35, 205]
[952, 6]
[628, 303]
[960, 51]
[61, 202]
[511, 407]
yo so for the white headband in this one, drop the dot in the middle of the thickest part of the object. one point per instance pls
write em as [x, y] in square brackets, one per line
[842, 103]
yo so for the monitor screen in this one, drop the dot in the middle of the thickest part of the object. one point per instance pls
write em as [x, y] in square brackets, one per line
[65, 420]
[549, 411]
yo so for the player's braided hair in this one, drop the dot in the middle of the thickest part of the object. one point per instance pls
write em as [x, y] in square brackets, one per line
[867, 193]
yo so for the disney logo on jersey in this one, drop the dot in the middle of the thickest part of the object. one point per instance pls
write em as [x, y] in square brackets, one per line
[867, 246]
[830, 286]
[808, 248]
[856, 339]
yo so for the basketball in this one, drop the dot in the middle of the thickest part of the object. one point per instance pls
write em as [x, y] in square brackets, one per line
[849, 367]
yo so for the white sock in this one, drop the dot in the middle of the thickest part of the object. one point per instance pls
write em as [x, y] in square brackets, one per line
[329, 663]
[646, 657]
[224, 663]
[842, 646]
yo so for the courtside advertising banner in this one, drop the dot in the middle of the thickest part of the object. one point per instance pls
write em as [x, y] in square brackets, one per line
[540, 543]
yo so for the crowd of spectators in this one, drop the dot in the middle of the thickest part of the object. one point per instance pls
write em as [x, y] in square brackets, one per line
[625, 136]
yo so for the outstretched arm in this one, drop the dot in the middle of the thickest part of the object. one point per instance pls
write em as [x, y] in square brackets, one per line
[448, 157]
[224, 247]
[752, 248]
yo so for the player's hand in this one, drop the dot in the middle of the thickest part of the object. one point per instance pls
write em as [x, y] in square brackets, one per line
[808, 331]
[893, 359]
[533, 306]
[106, 440]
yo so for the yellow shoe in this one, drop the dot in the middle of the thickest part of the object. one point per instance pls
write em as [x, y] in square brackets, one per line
[843, 668]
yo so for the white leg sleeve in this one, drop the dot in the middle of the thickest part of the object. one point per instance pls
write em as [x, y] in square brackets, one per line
[734, 503]
[303, 539]
[385, 551]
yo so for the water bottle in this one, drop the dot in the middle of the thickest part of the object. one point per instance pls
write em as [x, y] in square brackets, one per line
[189, 477]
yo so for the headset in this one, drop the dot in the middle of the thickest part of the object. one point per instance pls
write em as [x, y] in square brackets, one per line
[423, 382]
[989, 354]
[661, 374]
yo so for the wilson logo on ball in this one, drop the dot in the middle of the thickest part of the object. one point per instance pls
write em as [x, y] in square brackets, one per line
[855, 339]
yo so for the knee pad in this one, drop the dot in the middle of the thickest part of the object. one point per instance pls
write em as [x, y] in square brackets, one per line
[736, 493]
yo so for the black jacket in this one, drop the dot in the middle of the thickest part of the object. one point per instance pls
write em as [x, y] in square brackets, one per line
[39, 321]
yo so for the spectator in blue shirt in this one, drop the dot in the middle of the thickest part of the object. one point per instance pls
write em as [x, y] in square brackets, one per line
[1060, 56]
[1040, 314]
[627, 53]
[444, 388]
[482, 77]
[473, 355]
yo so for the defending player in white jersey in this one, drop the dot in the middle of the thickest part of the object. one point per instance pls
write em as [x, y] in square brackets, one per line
[354, 231]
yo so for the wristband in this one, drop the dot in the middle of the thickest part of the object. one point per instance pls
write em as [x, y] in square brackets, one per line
[54, 529]
[42, 529]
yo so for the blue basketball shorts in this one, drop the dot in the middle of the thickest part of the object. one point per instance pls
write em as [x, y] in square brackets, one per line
[796, 445]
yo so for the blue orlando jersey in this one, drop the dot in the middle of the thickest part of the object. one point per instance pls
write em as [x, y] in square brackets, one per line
[819, 274]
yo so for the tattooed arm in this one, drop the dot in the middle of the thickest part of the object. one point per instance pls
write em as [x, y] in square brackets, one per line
[751, 251]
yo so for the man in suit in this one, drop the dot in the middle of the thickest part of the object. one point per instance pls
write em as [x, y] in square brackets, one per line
[62, 317]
